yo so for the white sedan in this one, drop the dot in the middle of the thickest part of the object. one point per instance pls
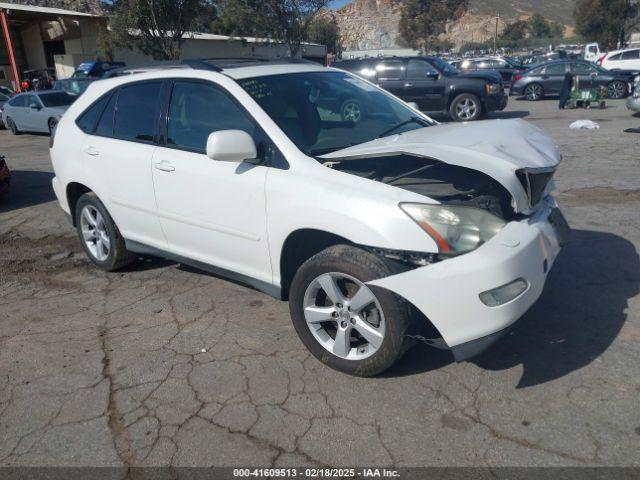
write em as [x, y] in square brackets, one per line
[36, 111]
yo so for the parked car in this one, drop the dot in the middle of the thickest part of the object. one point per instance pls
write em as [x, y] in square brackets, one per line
[3, 99]
[633, 101]
[74, 86]
[95, 69]
[6, 91]
[373, 230]
[547, 79]
[628, 59]
[36, 111]
[5, 177]
[506, 68]
[434, 85]
[536, 59]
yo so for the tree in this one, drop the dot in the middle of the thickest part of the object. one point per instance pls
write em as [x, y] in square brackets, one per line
[516, 30]
[424, 20]
[284, 20]
[539, 26]
[157, 27]
[605, 21]
[324, 30]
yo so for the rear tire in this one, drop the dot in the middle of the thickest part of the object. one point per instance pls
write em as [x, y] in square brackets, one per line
[12, 126]
[99, 235]
[465, 108]
[534, 92]
[346, 312]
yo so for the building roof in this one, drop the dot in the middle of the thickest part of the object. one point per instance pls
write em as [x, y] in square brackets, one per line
[43, 10]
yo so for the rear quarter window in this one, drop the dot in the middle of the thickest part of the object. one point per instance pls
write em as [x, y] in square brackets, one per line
[89, 118]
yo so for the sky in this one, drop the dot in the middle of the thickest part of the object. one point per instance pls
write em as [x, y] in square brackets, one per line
[338, 3]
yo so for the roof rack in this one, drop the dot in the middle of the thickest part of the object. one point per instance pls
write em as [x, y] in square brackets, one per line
[216, 64]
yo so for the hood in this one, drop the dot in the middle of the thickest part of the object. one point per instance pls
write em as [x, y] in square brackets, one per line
[497, 148]
[624, 73]
[488, 75]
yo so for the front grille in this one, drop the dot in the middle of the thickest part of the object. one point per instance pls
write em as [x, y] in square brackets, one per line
[535, 182]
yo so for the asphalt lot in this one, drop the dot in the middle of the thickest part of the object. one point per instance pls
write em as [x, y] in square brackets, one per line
[164, 365]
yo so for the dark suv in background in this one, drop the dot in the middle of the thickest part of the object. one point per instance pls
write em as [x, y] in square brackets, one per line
[434, 85]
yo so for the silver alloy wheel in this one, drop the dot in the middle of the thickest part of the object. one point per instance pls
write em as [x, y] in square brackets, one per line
[94, 233]
[533, 92]
[616, 90]
[466, 109]
[344, 316]
[351, 112]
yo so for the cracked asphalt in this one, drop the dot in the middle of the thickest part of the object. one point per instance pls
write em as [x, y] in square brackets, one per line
[161, 364]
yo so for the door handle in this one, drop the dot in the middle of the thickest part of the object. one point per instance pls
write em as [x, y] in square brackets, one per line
[93, 151]
[408, 84]
[164, 166]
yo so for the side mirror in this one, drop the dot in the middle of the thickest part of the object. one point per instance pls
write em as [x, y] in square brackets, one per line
[34, 106]
[433, 75]
[231, 146]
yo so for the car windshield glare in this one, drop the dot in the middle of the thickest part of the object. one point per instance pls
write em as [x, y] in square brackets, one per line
[57, 99]
[322, 112]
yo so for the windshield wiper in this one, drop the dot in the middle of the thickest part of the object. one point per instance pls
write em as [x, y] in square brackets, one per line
[417, 120]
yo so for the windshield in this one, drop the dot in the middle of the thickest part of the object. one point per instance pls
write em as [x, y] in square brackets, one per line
[444, 66]
[322, 112]
[56, 99]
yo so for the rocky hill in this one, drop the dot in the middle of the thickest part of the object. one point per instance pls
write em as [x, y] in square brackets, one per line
[373, 24]
[86, 6]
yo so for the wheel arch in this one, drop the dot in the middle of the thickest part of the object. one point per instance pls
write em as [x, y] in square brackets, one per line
[298, 247]
[74, 191]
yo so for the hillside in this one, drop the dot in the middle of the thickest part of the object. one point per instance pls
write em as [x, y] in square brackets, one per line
[373, 24]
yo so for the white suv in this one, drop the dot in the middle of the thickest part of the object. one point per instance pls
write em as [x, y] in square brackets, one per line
[378, 228]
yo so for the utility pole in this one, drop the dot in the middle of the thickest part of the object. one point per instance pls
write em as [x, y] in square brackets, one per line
[495, 38]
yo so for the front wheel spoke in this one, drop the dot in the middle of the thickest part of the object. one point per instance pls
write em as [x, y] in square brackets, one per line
[330, 287]
[370, 333]
[342, 343]
[88, 235]
[361, 299]
[88, 218]
[318, 314]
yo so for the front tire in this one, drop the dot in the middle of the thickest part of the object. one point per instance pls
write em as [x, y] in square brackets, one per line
[52, 123]
[617, 90]
[534, 92]
[99, 235]
[465, 108]
[350, 326]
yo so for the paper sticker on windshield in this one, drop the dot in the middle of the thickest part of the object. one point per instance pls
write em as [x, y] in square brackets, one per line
[361, 84]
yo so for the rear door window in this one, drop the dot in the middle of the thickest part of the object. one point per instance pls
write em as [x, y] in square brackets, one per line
[137, 112]
[391, 70]
[631, 55]
[555, 69]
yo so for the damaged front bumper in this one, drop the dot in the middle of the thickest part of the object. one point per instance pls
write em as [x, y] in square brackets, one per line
[450, 293]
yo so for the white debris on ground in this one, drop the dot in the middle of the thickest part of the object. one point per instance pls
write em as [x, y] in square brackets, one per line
[584, 125]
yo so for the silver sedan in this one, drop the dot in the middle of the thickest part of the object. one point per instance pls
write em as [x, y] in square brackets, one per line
[36, 111]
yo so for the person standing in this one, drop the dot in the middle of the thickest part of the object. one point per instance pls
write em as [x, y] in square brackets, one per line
[565, 91]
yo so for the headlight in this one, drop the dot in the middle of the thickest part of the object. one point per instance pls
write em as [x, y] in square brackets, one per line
[455, 229]
[493, 88]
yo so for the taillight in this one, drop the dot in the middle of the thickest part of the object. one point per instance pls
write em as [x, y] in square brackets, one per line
[517, 77]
